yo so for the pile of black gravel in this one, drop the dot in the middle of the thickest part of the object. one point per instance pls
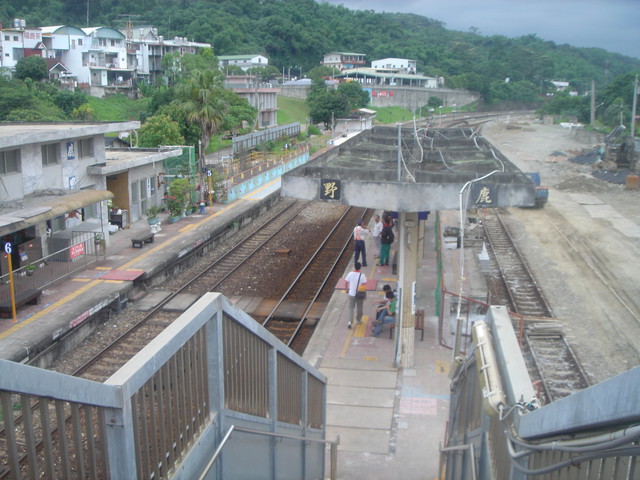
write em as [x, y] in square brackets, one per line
[612, 176]
[586, 158]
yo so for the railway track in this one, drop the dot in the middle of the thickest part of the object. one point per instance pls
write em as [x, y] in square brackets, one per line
[549, 357]
[314, 277]
[285, 322]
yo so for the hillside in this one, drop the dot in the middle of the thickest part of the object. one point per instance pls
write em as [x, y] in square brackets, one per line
[298, 32]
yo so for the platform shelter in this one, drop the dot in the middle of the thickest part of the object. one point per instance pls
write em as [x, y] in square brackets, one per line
[412, 171]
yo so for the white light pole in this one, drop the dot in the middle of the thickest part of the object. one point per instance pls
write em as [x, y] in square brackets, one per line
[440, 108]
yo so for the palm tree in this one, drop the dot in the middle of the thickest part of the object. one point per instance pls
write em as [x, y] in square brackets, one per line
[201, 98]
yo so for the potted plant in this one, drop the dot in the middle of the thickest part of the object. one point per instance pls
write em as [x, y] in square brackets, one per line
[175, 207]
[178, 197]
[152, 214]
[30, 269]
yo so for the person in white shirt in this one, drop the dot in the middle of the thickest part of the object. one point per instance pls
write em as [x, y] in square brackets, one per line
[358, 235]
[377, 229]
[353, 280]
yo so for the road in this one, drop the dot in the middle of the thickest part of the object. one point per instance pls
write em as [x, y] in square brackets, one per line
[583, 247]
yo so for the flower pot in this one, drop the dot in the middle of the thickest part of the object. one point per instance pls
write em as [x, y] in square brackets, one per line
[174, 219]
[153, 221]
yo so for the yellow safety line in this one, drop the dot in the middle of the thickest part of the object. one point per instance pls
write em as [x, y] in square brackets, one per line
[45, 311]
[361, 329]
[346, 344]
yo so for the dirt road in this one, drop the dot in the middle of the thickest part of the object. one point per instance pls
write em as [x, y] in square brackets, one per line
[583, 246]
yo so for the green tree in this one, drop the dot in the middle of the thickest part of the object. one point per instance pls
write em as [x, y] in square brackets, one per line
[327, 106]
[239, 113]
[202, 99]
[33, 67]
[84, 112]
[264, 74]
[159, 130]
[356, 96]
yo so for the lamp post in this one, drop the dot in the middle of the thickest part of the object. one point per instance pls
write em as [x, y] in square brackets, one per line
[440, 108]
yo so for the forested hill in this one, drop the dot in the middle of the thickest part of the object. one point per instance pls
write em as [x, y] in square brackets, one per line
[298, 32]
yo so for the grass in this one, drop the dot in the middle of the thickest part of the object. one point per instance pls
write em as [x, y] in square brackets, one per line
[391, 115]
[292, 110]
[117, 108]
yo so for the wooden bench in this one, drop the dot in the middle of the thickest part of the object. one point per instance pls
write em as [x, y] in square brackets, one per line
[140, 241]
[420, 322]
[31, 296]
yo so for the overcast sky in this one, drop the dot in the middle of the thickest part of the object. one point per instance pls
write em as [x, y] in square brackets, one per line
[610, 24]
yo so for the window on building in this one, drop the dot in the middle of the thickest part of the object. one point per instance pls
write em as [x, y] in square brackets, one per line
[113, 43]
[50, 154]
[79, 41]
[15, 38]
[9, 161]
[6, 38]
[84, 147]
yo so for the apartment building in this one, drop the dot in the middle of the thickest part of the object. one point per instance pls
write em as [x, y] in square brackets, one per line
[100, 60]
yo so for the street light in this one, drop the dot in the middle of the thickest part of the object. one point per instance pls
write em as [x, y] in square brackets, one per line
[440, 108]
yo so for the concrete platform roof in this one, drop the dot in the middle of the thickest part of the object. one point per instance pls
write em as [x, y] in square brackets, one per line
[429, 174]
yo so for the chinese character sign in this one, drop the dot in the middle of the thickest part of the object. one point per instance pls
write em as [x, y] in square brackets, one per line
[483, 196]
[330, 189]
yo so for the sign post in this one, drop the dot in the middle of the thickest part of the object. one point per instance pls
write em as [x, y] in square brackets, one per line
[8, 249]
[210, 175]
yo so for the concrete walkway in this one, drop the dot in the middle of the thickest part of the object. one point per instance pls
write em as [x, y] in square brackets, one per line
[390, 421]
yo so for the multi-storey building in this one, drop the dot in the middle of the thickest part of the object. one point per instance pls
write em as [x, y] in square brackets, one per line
[399, 65]
[100, 60]
[344, 61]
[262, 96]
[245, 62]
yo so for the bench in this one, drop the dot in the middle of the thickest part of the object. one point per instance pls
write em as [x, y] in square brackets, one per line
[420, 322]
[31, 296]
[140, 241]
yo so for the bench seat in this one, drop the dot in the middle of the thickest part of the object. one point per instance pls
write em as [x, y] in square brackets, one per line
[140, 241]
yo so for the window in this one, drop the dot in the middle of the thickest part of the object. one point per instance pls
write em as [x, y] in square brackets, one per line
[9, 161]
[15, 38]
[6, 38]
[84, 147]
[79, 41]
[50, 154]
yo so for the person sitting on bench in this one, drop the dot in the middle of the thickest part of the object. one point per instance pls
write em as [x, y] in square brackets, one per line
[388, 313]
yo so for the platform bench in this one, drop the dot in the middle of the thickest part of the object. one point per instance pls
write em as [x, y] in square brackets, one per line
[31, 296]
[140, 241]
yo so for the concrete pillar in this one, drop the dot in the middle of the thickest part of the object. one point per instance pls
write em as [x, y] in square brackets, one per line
[410, 252]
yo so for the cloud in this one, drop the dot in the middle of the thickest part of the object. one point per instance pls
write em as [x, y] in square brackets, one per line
[613, 25]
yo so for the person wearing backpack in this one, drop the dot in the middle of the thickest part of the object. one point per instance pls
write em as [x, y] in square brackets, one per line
[386, 239]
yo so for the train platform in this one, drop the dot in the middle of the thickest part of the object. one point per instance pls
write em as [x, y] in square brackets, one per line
[67, 304]
[390, 421]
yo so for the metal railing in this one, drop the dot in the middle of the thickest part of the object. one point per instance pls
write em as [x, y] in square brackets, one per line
[87, 248]
[171, 402]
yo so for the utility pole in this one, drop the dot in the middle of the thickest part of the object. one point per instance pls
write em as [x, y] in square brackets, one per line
[633, 110]
[593, 102]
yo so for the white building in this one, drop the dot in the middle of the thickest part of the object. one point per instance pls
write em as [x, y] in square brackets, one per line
[399, 65]
[100, 60]
[344, 61]
[57, 179]
[245, 62]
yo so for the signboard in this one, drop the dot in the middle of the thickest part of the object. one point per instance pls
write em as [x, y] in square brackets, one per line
[76, 250]
[330, 189]
[484, 195]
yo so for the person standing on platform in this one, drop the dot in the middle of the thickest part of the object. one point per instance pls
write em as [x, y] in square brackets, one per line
[377, 230]
[354, 280]
[386, 239]
[389, 314]
[358, 235]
